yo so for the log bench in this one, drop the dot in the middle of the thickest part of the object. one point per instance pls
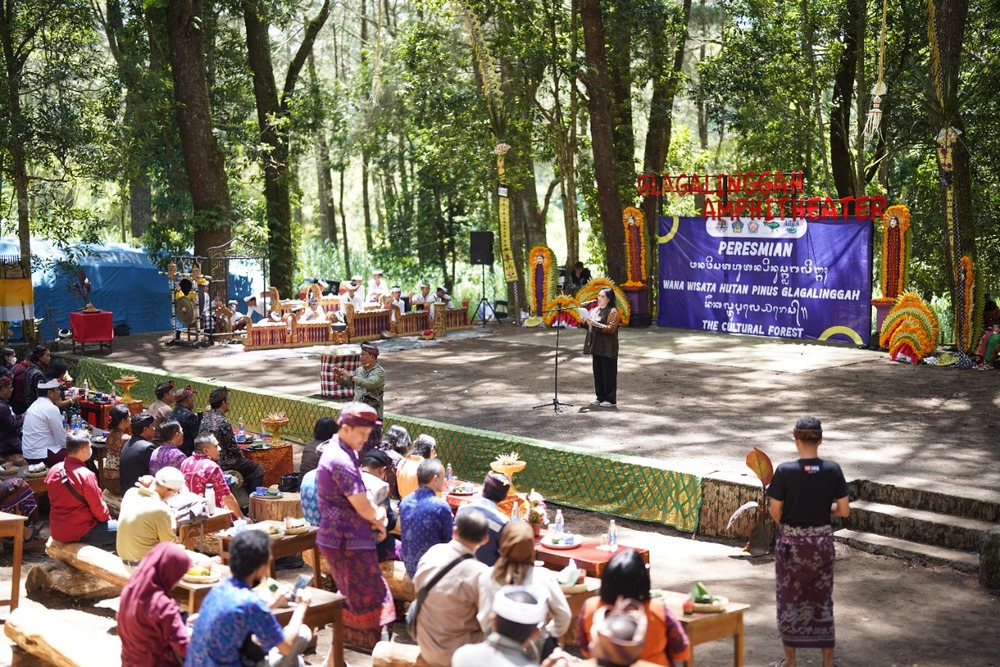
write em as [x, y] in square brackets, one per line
[400, 584]
[393, 654]
[47, 635]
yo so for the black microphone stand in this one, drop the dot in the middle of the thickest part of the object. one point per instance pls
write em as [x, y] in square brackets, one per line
[555, 403]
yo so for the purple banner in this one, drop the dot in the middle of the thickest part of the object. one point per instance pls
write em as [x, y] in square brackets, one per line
[781, 278]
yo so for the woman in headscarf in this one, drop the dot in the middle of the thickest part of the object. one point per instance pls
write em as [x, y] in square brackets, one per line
[516, 567]
[150, 625]
[627, 576]
[618, 635]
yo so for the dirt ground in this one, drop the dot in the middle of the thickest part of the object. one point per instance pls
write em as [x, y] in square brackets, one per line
[697, 402]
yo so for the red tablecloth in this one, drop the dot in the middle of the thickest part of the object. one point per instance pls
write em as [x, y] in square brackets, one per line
[92, 327]
[328, 386]
[587, 555]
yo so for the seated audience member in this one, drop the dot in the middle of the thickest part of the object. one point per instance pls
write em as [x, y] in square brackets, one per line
[231, 457]
[395, 443]
[10, 424]
[150, 624]
[617, 636]
[162, 406]
[516, 567]
[496, 486]
[134, 460]
[626, 576]
[447, 618]
[421, 300]
[16, 497]
[169, 452]
[27, 375]
[201, 469]
[325, 428]
[406, 471]
[58, 370]
[9, 360]
[43, 439]
[235, 626]
[145, 519]
[578, 277]
[377, 287]
[120, 423]
[373, 471]
[517, 613]
[425, 519]
[309, 498]
[78, 513]
[184, 414]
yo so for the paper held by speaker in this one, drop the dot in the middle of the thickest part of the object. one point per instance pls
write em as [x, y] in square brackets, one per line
[481, 248]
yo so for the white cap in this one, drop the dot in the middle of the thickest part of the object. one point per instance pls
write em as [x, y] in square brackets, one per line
[521, 612]
[376, 272]
[171, 478]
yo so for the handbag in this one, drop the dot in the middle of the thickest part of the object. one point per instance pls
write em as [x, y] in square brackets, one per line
[189, 508]
[289, 483]
[414, 611]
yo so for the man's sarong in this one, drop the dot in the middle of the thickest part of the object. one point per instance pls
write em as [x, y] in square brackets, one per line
[16, 497]
[368, 605]
[803, 568]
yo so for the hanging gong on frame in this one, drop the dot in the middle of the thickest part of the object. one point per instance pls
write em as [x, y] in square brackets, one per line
[186, 314]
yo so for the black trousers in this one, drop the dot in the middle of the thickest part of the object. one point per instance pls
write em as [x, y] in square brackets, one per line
[606, 379]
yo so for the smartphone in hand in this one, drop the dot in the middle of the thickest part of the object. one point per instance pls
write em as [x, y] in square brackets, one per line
[300, 583]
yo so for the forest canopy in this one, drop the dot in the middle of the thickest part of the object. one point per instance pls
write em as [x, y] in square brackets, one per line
[338, 136]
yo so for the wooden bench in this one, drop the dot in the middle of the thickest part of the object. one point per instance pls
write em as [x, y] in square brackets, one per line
[400, 584]
[393, 654]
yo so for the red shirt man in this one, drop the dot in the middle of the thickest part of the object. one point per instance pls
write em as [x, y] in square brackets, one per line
[78, 514]
[201, 469]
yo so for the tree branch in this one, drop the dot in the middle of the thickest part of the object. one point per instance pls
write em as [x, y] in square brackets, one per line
[305, 48]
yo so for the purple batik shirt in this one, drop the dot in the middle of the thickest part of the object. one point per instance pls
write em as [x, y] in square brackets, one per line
[337, 478]
[166, 456]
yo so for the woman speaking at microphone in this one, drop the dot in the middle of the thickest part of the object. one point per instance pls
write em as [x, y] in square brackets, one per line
[602, 344]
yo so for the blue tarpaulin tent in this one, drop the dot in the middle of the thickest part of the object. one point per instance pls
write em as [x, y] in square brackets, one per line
[123, 280]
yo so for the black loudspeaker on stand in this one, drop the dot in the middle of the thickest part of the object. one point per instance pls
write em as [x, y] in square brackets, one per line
[555, 403]
[481, 252]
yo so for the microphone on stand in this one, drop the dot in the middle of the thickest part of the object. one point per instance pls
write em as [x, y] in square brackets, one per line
[589, 303]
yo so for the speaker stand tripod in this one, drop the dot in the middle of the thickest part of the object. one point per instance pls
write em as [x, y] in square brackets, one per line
[555, 402]
[483, 304]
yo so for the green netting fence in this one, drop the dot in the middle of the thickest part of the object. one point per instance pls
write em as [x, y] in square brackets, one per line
[612, 484]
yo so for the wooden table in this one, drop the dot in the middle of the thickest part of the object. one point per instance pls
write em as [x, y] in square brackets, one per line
[587, 556]
[188, 534]
[277, 461]
[701, 628]
[265, 508]
[289, 545]
[98, 414]
[190, 595]
[325, 609]
[12, 525]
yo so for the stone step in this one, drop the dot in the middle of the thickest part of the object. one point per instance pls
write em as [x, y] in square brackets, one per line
[924, 553]
[952, 532]
[931, 496]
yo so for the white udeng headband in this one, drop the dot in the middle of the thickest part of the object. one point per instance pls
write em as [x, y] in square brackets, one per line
[520, 612]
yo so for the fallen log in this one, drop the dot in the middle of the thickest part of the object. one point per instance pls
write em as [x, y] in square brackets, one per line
[60, 577]
[44, 634]
[400, 584]
[391, 654]
[92, 560]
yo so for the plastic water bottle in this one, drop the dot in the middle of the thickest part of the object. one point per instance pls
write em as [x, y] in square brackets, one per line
[515, 513]
[613, 536]
[448, 474]
[241, 432]
[86, 388]
[210, 497]
[65, 424]
[559, 524]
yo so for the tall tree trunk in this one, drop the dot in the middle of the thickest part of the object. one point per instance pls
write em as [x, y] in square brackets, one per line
[324, 179]
[661, 117]
[602, 135]
[272, 114]
[618, 53]
[950, 25]
[140, 199]
[204, 162]
[343, 226]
